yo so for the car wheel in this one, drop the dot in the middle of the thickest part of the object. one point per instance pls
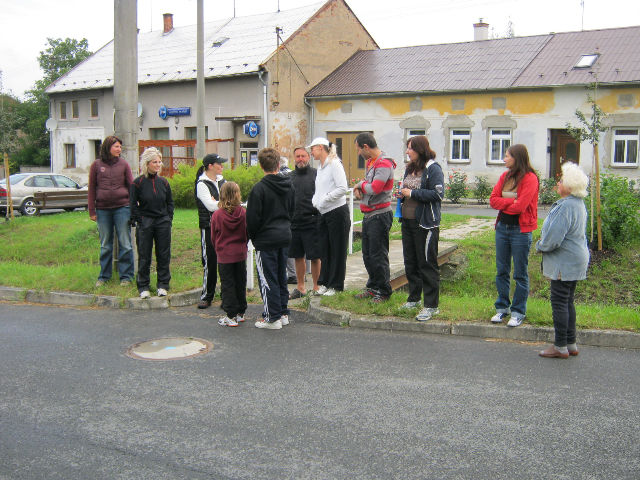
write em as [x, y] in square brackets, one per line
[29, 207]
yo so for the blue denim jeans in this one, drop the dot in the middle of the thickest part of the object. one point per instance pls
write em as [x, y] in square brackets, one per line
[107, 220]
[511, 244]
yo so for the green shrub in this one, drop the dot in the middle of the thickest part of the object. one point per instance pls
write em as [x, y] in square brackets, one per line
[183, 183]
[548, 194]
[483, 189]
[457, 187]
[245, 177]
[620, 212]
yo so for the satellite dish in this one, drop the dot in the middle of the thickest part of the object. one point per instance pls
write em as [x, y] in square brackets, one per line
[140, 110]
[51, 124]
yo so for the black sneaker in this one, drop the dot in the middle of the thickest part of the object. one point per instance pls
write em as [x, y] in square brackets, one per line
[380, 298]
[365, 294]
[204, 304]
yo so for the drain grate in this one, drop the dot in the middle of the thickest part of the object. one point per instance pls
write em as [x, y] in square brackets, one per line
[174, 348]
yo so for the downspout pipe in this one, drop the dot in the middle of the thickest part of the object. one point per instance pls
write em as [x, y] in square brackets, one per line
[311, 117]
[265, 110]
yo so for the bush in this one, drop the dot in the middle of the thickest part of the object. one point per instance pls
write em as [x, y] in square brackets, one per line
[182, 183]
[620, 212]
[548, 193]
[483, 189]
[245, 177]
[457, 187]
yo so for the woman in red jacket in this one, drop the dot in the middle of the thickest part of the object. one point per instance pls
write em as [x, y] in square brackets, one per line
[516, 197]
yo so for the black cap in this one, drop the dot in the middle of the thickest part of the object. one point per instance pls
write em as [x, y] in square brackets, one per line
[212, 158]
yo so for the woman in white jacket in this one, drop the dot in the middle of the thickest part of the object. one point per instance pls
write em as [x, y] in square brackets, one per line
[330, 200]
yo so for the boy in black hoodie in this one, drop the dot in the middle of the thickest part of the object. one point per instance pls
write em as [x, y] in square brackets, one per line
[270, 209]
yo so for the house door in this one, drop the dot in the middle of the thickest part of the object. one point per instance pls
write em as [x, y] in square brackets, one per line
[563, 148]
[345, 142]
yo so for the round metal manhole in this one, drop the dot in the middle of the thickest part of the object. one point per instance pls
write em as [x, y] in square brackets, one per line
[174, 348]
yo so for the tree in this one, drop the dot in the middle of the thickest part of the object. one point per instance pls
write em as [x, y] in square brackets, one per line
[590, 132]
[57, 59]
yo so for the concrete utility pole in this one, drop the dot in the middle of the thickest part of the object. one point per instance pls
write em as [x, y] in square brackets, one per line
[125, 79]
[200, 132]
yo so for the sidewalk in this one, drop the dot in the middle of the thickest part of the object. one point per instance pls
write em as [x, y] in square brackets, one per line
[355, 280]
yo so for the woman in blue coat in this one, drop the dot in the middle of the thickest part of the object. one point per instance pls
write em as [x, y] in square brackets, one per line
[565, 256]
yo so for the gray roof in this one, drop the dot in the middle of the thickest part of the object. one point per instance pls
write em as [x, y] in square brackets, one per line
[619, 59]
[488, 64]
[172, 57]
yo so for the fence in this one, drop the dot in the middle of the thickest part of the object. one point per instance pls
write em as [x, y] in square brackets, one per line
[177, 152]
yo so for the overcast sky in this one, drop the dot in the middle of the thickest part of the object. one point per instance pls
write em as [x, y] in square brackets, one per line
[26, 24]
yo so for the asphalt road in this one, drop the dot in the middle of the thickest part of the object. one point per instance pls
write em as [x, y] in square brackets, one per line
[307, 402]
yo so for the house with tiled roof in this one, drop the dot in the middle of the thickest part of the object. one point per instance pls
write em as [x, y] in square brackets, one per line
[257, 69]
[474, 99]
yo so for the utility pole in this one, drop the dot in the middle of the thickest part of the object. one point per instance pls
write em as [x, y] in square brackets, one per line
[5, 156]
[200, 140]
[125, 79]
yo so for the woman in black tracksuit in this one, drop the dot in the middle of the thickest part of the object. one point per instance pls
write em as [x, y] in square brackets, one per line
[422, 194]
[152, 211]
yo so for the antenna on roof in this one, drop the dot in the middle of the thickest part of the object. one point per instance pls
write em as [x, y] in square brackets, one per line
[582, 5]
[234, 8]
[278, 6]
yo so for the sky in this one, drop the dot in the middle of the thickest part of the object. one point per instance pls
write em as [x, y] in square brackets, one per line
[25, 25]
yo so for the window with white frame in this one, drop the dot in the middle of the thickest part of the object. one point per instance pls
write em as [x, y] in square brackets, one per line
[70, 155]
[499, 141]
[625, 146]
[93, 107]
[460, 142]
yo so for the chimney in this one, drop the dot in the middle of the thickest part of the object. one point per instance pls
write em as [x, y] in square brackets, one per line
[168, 23]
[480, 31]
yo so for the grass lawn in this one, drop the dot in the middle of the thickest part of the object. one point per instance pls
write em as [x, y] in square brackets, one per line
[59, 252]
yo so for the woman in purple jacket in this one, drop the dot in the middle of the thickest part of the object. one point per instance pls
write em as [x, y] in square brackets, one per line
[109, 181]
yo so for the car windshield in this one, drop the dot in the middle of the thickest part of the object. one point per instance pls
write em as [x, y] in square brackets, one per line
[15, 178]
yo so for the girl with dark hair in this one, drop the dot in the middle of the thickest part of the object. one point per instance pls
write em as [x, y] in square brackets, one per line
[516, 197]
[422, 193]
[109, 181]
[209, 181]
[229, 236]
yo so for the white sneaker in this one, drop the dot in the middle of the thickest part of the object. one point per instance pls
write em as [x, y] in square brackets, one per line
[284, 319]
[426, 313]
[277, 325]
[329, 292]
[322, 290]
[515, 320]
[162, 292]
[239, 318]
[498, 317]
[227, 322]
[145, 294]
[410, 305]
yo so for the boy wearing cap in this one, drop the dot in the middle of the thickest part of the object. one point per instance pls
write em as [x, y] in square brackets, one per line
[270, 208]
[208, 183]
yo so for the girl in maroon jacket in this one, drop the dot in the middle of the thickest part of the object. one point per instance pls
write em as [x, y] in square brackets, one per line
[229, 237]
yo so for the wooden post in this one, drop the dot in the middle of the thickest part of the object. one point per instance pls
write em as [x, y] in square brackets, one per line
[598, 216]
[6, 175]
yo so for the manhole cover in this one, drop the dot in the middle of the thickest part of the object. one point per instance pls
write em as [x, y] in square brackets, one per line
[169, 348]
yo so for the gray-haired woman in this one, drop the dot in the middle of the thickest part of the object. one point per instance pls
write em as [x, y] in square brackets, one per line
[152, 210]
[565, 257]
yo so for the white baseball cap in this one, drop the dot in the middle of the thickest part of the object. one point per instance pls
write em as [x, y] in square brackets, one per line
[319, 141]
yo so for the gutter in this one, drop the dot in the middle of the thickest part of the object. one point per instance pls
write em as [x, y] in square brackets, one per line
[265, 110]
[312, 116]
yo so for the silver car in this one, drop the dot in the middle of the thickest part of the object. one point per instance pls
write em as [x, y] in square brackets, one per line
[25, 185]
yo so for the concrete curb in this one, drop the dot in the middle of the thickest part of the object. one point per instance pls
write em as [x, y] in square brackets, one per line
[325, 316]
[524, 333]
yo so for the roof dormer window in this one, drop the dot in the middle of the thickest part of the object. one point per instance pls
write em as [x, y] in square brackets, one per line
[587, 61]
[219, 41]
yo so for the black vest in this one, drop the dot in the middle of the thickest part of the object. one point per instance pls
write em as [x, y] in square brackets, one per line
[204, 215]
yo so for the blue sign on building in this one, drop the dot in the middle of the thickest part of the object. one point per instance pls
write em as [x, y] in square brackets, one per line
[251, 128]
[165, 112]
